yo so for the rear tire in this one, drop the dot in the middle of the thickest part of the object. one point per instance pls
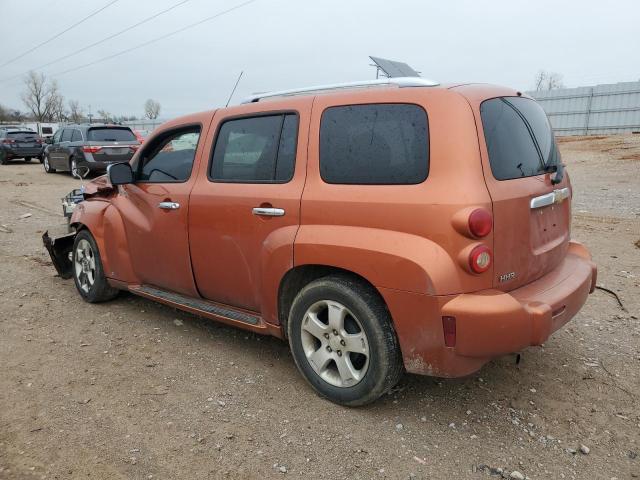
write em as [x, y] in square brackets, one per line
[27, 159]
[88, 273]
[47, 165]
[343, 341]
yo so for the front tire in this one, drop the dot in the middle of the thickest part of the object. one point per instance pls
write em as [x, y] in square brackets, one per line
[343, 342]
[73, 168]
[47, 165]
[88, 273]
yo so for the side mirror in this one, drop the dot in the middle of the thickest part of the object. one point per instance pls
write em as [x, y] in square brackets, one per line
[120, 173]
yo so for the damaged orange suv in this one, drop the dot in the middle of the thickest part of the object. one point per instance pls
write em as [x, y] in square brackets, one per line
[378, 226]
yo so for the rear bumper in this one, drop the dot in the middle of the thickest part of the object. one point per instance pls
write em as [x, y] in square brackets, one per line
[492, 323]
[24, 152]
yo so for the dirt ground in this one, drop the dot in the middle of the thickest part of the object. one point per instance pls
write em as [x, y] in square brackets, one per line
[131, 389]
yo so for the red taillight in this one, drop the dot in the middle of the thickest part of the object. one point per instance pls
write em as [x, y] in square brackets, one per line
[38, 140]
[134, 147]
[480, 222]
[449, 329]
[8, 140]
[91, 149]
[480, 259]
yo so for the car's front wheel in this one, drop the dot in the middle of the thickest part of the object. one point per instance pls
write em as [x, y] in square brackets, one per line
[73, 168]
[88, 273]
[47, 165]
[343, 341]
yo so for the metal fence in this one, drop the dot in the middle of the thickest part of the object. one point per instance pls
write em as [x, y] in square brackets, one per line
[601, 109]
[148, 125]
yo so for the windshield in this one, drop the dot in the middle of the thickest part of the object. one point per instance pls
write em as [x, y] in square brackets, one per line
[111, 135]
[519, 138]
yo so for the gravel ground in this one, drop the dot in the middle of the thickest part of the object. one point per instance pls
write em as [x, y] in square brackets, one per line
[134, 390]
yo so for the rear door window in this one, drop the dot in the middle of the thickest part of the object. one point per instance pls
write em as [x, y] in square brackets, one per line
[77, 136]
[111, 135]
[256, 149]
[375, 144]
[519, 138]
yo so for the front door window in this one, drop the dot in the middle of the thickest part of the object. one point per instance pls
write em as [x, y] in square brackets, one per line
[170, 159]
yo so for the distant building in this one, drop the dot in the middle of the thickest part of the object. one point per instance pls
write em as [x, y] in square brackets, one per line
[601, 109]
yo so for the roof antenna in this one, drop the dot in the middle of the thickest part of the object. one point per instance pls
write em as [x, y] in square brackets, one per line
[234, 88]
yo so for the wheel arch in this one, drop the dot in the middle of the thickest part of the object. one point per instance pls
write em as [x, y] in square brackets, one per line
[105, 224]
[299, 276]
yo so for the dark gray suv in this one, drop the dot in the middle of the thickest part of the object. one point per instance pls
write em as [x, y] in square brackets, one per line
[19, 143]
[95, 146]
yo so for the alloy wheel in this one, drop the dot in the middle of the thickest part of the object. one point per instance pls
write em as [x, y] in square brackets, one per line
[335, 344]
[85, 265]
[74, 168]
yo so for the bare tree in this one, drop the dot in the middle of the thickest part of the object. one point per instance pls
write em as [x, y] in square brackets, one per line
[4, 114]
[151, 109]
[76, 113]
[8, 114]
[105, 116]
[548, 80]
[58, 112]
[42, 97]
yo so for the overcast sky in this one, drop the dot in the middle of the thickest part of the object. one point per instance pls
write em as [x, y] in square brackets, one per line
[287, 43]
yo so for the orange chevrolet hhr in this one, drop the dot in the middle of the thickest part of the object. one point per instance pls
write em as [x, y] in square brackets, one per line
[378, 226]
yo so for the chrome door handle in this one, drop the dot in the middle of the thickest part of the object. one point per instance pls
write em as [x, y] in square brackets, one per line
[169, 205]
[268, 212]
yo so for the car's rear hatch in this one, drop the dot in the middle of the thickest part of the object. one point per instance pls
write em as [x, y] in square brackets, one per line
[111, 144]
[25, 139]
[532, 213]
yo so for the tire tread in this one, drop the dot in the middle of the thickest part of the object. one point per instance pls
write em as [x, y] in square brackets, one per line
[356, 289]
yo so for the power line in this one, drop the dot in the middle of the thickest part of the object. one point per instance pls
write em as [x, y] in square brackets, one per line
[135, 25]
[58, 34]
[153, 40]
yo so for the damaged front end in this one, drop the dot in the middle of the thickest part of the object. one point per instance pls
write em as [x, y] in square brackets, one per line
[60, 249]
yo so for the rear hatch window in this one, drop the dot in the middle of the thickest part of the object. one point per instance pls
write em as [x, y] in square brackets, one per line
[519, 138]
[111, 134]
[21, 135]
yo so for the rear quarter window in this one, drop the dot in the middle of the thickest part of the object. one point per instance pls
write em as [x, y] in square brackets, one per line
[374, 144]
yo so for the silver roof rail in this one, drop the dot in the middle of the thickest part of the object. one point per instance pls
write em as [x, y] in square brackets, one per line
[400, 82]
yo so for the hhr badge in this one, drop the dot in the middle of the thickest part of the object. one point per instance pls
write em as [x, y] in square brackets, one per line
[507, 276]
